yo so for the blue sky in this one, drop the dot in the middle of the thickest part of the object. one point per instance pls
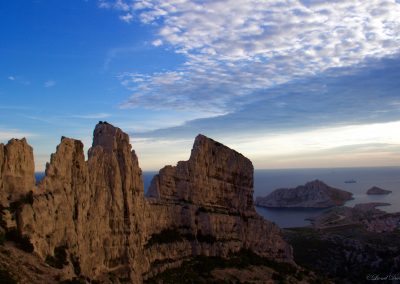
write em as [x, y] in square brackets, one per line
[287, 83]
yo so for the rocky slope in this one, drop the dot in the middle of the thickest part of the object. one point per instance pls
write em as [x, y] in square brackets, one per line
[348, 253]
[91, 219]
[314, 194]
[366, 215]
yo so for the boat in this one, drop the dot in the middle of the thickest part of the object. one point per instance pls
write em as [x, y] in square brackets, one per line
[350, 181]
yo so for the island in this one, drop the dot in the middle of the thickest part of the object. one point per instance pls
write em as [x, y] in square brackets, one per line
[314, 194]
[377, 191]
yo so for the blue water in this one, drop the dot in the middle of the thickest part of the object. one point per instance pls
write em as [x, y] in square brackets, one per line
[265, 181]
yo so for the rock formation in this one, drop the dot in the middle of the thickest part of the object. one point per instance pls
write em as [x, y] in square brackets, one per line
[208, 201]
[16, 171]
[377, 191]
[91, 217]
[314, 194]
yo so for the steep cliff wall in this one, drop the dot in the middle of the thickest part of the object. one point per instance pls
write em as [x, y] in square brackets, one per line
[16, 170]
[92, 219]
[206, 206]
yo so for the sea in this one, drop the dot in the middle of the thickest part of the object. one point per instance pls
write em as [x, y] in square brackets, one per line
[265, 181]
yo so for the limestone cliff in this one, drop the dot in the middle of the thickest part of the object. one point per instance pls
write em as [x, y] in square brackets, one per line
[314, 194]
[16, 170]
[91, 218]
[207, 204]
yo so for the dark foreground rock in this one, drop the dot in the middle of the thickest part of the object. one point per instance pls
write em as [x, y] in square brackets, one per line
[347, 254]
[314, 194]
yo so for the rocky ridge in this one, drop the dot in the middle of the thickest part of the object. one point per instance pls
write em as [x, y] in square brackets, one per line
[91, 219]
[314, 194]
[365, 215]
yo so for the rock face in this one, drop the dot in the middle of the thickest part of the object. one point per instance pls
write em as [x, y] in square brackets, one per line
[16, 171]
[377, 191]
[365, 215]
[208, 202]
[314, 194]
[213, 176]
[91, 217]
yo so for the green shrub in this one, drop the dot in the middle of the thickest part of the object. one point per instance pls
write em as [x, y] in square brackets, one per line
[206, 238]
[75, 280]
[164, 237]
[59, 259]
[23, 242]
[6, 277]
[76, 264]
[2, 238]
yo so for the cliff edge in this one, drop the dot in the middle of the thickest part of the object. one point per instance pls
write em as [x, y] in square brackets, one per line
[91, 219]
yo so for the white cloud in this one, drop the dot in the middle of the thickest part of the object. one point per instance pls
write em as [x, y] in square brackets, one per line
[11, 78]
[157, 42]
[92, 116]
[7, 134]
[49, 84]
[234, 48]
[127, 17]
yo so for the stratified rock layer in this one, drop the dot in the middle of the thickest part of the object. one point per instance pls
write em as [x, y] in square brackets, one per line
[16, 170]
[94, 212]
[208, 201]
[314, 194]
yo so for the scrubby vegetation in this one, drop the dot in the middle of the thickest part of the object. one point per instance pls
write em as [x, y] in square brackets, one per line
[6, 277]
[173, 235]
[23, 242]
[348, 253]
[59, 259]
[27, 199]
[199, 269]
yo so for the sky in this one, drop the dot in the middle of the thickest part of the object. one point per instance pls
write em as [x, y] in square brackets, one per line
[289, 84]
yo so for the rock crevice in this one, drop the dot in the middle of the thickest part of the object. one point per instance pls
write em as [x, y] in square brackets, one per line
[95, 213]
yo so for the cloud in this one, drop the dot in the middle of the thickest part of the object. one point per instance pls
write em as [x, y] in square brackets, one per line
[157, 42]
[92, 116]
[49, 84]
[127, 18]
[351, 95]
[7, 134]
[11, 78]
[236, 49]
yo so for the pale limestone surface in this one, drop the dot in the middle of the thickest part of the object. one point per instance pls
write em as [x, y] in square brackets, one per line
[97, 208]
[17, 169]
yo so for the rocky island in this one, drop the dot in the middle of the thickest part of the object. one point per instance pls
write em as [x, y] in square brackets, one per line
[377, 191]
[314, 194]
[89, 221]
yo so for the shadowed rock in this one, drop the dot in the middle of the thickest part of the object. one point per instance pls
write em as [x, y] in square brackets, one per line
[94, 214]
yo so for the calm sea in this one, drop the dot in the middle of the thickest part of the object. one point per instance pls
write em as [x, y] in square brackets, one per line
[265, 181]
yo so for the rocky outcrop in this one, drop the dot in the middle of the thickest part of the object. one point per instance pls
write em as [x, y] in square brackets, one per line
[91, 217]
[213, 176]
[365, 215]
[314, 194]
[208, 201]
[16, 171]
[377, 191]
